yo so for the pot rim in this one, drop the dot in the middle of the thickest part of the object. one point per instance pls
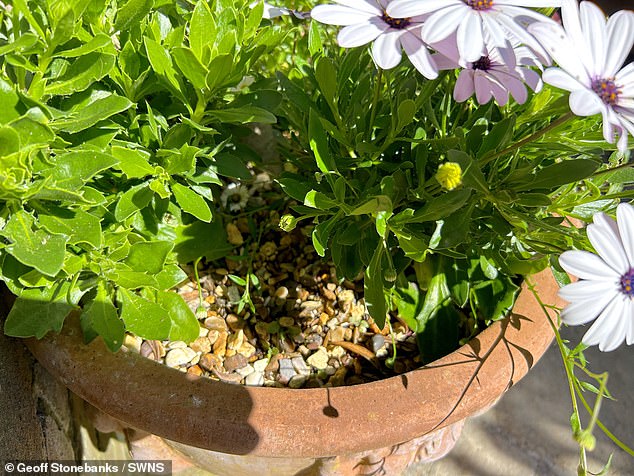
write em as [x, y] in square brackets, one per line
[304, 423]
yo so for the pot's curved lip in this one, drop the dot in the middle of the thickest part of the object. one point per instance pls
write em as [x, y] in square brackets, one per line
[309, 423]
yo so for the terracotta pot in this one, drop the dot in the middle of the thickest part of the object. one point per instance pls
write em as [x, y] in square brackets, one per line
[233, 429]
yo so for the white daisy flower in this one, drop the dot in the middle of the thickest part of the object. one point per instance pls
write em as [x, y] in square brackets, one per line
[235, 197]
[480, 25]
[498, 73]
[366, 21]
[590, 52]
[606, 285]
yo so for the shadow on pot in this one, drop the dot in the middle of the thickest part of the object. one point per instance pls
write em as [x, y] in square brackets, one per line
[143, 393]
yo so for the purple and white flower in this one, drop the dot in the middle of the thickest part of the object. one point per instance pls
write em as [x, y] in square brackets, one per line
[480, 25]
[605, 290]
[590, 52]
[498, 73]
[365, 21]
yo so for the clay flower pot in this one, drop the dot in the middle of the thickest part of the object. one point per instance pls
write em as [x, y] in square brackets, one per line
[233, 429]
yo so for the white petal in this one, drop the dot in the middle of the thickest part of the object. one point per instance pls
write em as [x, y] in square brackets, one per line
[625, 79]
[369, 6]
[443, 23]
[470, 37]
[533, 3]
[513, 85]
[339, 15]
[516, 22]
[411, 8]
[418, 55]
[496, 35]
[581, 312]
[629, 315]
[483, 86]
[586, 265]
[562, 49]
[561, 79]
[617, 335]
[585, 103]
[532, 78]
[620, 40]
[357, 35]
[625, 220]
[464, 88]
[587, 290]
[605, 324]
[609, 248]
[386, 49]
[593, 24]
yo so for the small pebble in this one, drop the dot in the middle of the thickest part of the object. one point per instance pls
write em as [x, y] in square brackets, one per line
[254, 379]
[201, 345]
[286, 371]
[215, 323]
[377, 343]
[260, 365]
[235, 362]
[300, 366]
[179, 356]
[246, 370]
[233, 235]
[286, 321]
[319, 359]
[133, 343]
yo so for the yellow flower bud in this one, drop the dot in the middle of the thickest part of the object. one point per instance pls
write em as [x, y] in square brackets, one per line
[449, 175]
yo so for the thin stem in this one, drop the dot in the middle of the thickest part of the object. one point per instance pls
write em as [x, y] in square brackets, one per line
[527, 140]
[583, 465]
[375, 100]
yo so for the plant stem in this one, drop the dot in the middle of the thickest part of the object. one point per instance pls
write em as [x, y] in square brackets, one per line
[527, 140]
[583, 465]
[375, 100]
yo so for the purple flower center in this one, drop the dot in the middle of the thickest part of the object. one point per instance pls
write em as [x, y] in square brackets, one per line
[484, 63]
[607, 90]
[627, 283]
[398, 23]
[479, 4]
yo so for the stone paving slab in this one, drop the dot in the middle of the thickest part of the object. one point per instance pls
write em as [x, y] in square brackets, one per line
[527, 432]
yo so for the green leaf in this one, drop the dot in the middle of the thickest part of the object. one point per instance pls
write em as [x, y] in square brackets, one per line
[191, 68]
[219, 69]
[409, 304]
[99, 41]
[73, 169]
[9, 102]
[171, 275]
[472, 176]
[133, 200]
[294, 188]
[142, 317]
[78, 225]
[83, 72]
[243, 115]
[435, 209]
[124, 277]
[200, 239]
[41, 250]
[230, 165]
[499, 136]
[315, 44]
[98, 110]
[568, 171]
[191, 202]
[9, 141]
[132, 12]
[134, 163]
[162, 65]
[37, 311]
[31, 132]
[379, 203]
[326, 76]
[184, 325]
[405, 113]
[319, 144]
[100, 315]
[202, 29]
[318, 200]
[373, 288]
[148, 256]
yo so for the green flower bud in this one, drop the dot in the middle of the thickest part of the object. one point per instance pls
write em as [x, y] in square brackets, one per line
[288, 222]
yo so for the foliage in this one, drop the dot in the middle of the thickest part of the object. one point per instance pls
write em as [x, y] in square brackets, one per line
[119, 123]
